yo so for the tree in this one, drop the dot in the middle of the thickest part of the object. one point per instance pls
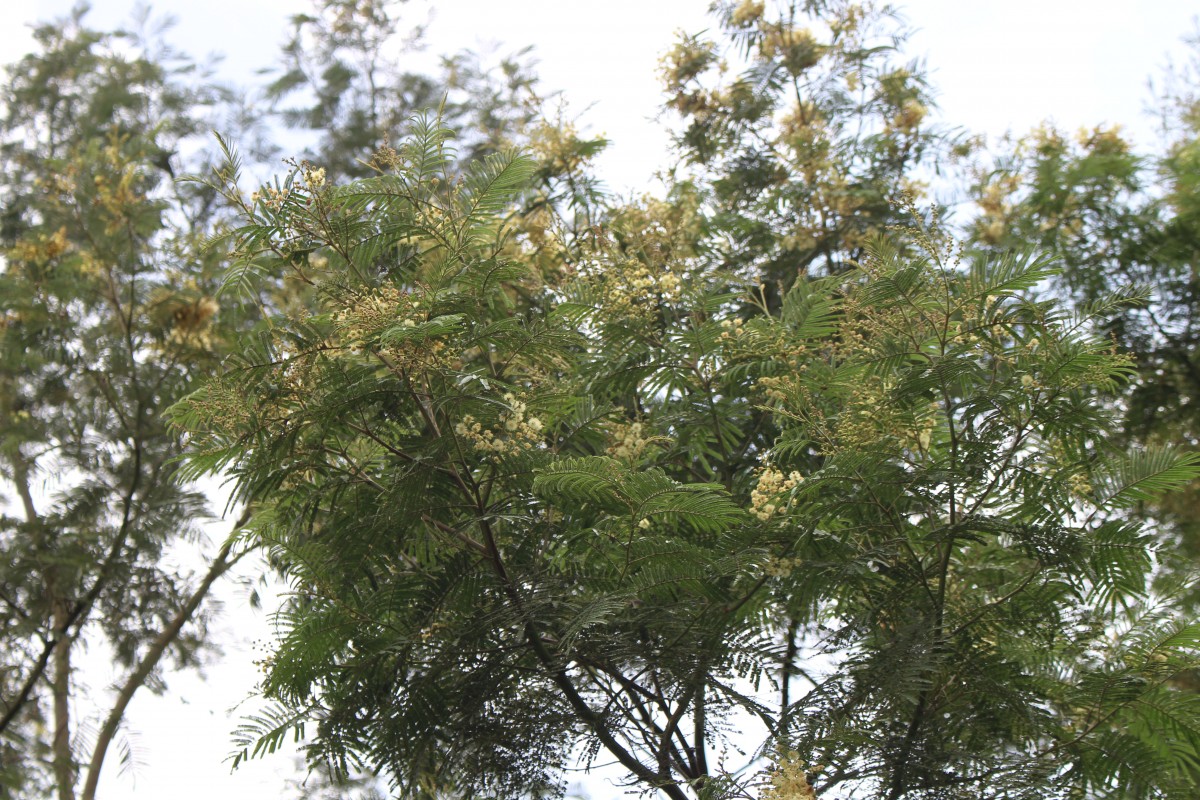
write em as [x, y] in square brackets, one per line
[107, 314]
[341, 72]
[878, 521]
[1115, 216]
[801, 129]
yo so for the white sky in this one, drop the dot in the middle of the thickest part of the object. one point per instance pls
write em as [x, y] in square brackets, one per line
[997, 66]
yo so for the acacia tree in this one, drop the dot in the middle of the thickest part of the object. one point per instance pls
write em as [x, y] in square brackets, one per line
[800, 125]
[342, 76]
[107, 314]
[878, 521]
[1115, 215]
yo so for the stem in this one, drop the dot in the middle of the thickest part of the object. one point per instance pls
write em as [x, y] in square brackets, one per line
[900, 774]
[699, 724]
[786, 678]
[900, 766]
[56, 653]
[593, 721]
[560, 678]
[21, 479]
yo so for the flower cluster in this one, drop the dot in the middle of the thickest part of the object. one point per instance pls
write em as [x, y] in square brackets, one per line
[312, 179]
[1080, 485]
[686, 61]
[225, 409]
[385, 158]
[994, 197]
[871, 416]
[314, 176]
[192, 323]
[515, 434]
[362, 319]
[666, 232]
[765, 497]
[788, 780]
[774, 387]
[910, 114]
[782, 567]
[748, 340]
[747, 13]
[559, 148]
[628, 288]
[271, 197]
[267, 662]
[628, 441]
[731, 328]
[364, 316]
[797, 48]
[42, 249]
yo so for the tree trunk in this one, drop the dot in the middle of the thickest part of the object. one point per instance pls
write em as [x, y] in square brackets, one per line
[64, 764]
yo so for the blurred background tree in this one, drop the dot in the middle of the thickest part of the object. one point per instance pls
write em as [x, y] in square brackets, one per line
[107, 313]
[801, 125]
[341, 76]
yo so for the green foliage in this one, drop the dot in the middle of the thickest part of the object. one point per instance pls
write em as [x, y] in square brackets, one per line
[877, 521]
[803, 127]
[1114, 216]
[107, 314]
[340, 78]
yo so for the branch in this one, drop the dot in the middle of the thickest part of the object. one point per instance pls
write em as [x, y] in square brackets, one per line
[986, 607]
[593, 721]
[457, 534]
[220, 565]
[39, 667]
[560, 678]
[21, 479]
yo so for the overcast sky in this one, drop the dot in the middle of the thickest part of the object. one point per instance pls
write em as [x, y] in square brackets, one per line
[997, 66]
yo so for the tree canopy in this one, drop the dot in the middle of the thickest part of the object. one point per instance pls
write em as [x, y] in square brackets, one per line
[782, 483]
[1112, 214]
[880, 524]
